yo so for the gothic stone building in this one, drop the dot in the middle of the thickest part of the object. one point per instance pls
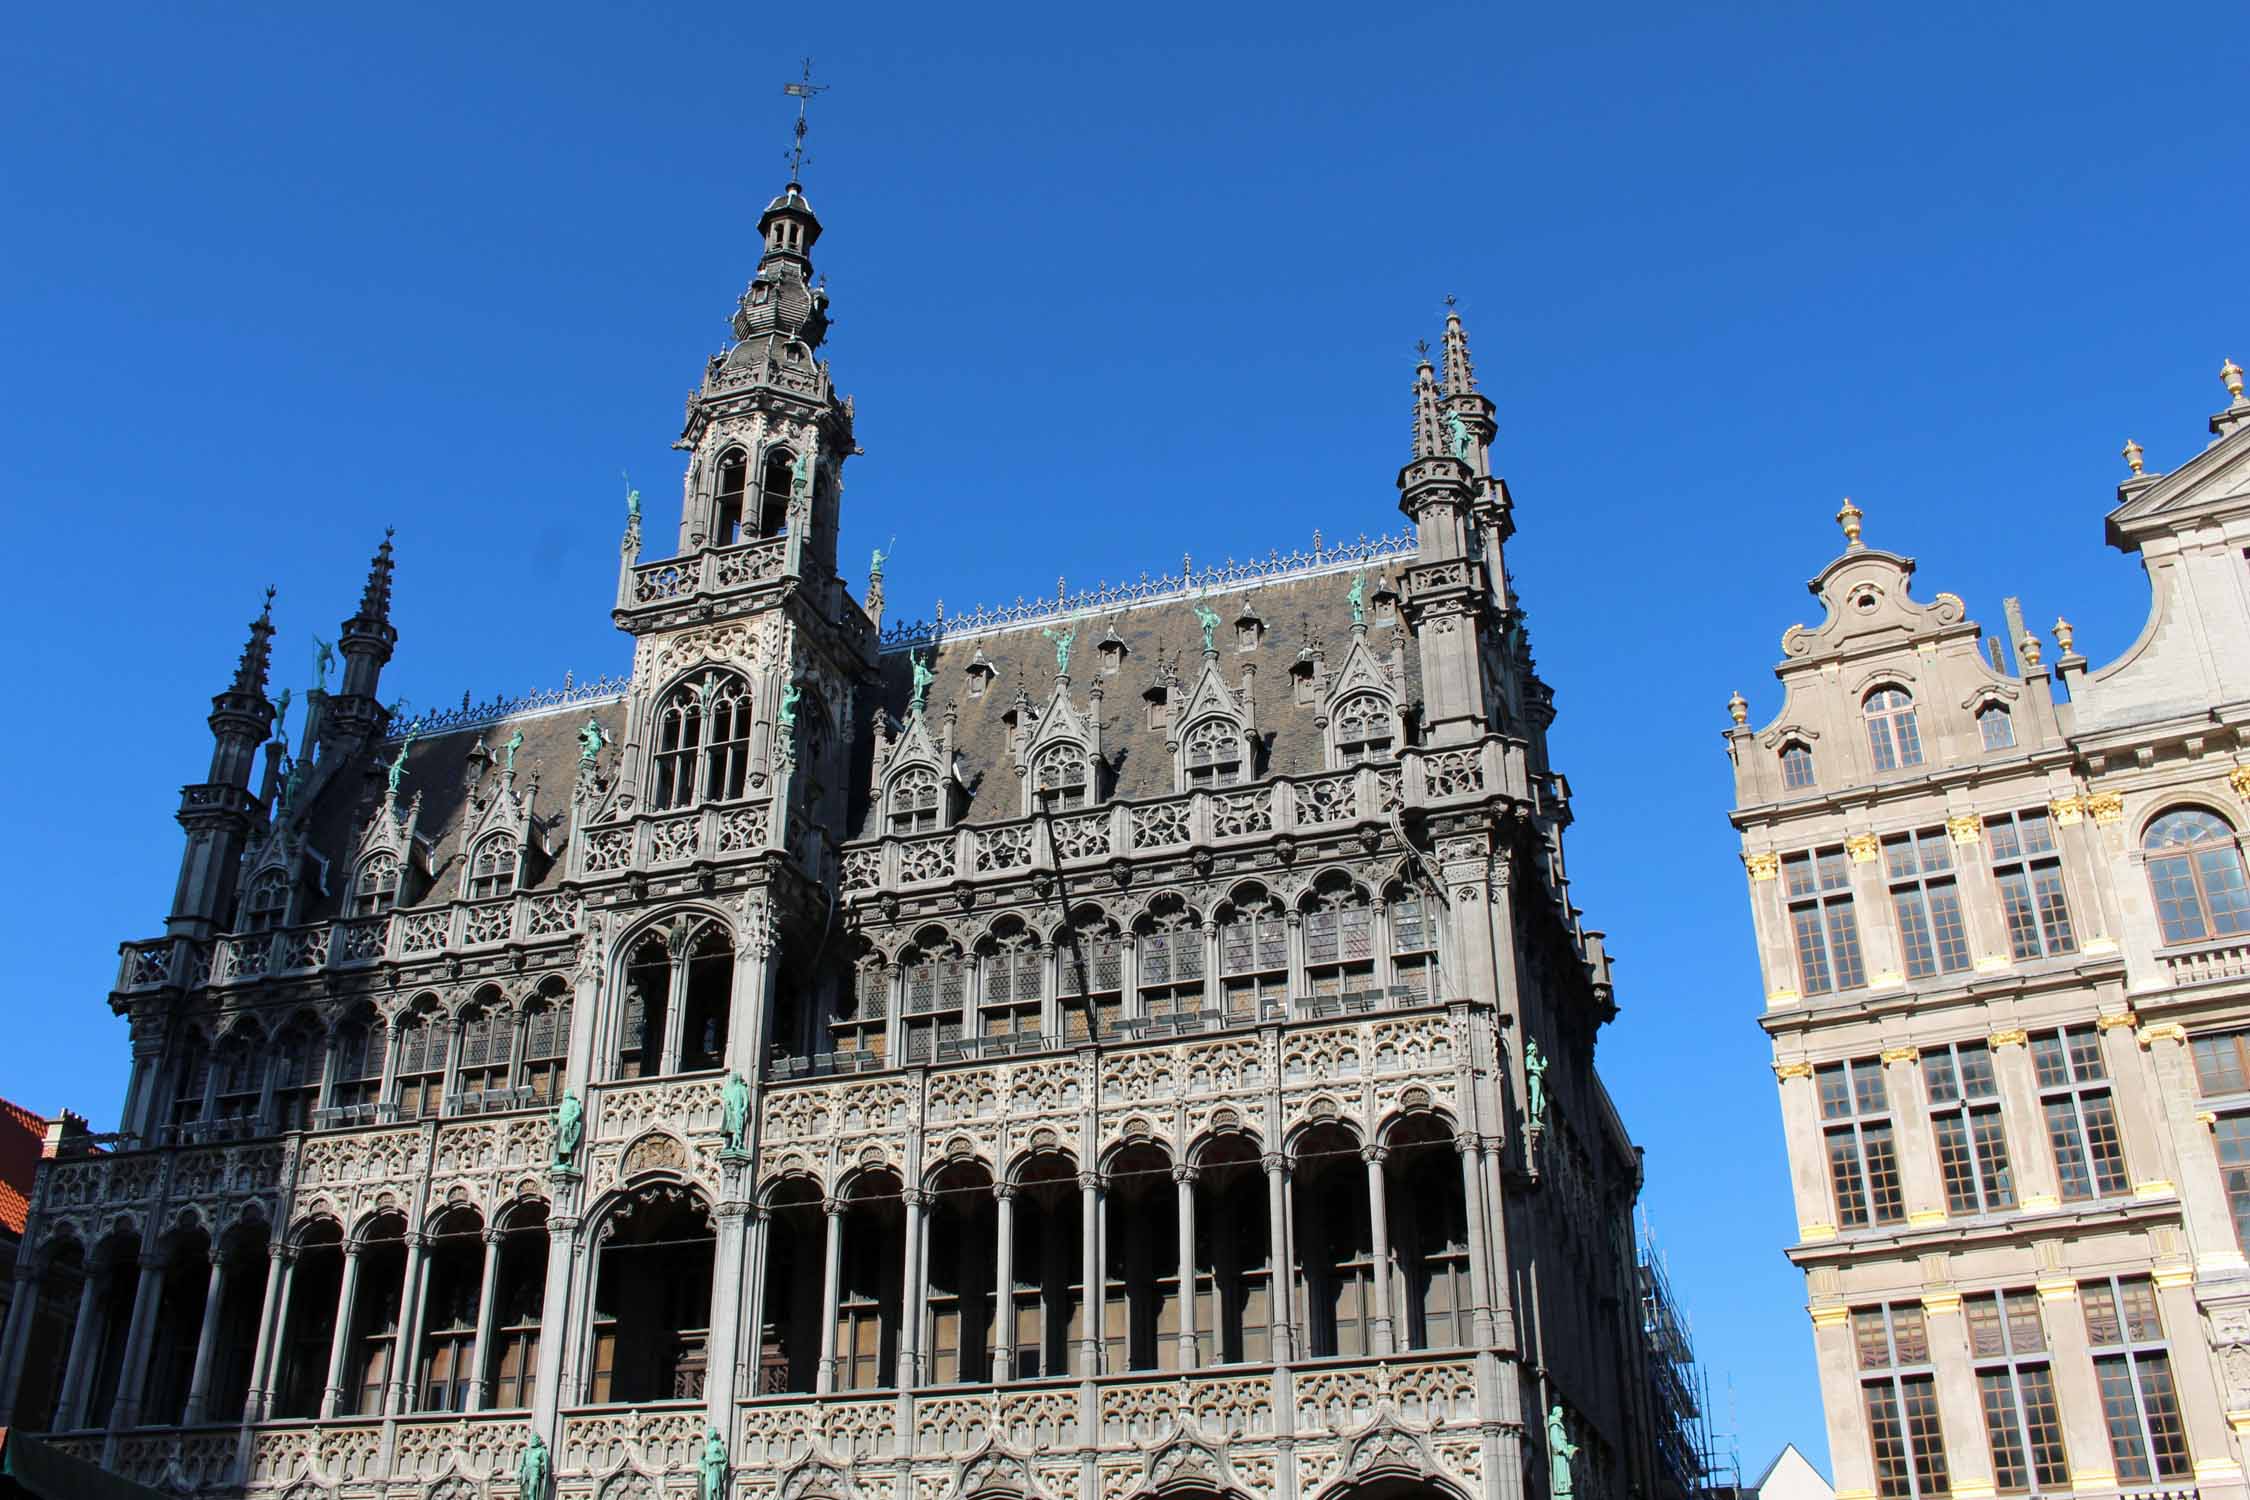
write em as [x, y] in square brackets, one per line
[1073, 1051]
[2001, 909]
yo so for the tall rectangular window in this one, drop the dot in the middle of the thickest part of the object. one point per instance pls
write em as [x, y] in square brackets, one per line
[1965, 1115]
[1862, 1150]
[2016, 1387]
[2222, 1062]
[1823, 921]
[2081, 1116]
[2231, 1134]
[1900, 1390]
[1928, 902]
[2029, 873]
[2133, 1369]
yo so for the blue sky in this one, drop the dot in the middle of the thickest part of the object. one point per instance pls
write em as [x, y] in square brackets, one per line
[1110, 285]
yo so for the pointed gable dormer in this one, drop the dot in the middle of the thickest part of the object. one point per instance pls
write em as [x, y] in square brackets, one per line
[918, 784]
[1360, 713]
[1213, 733]
[390, 863]
[1059, 753]
[500, 836]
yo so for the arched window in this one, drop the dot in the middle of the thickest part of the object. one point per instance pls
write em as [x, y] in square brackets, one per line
[1170, 940]
[1996, 727]
[267, 904]
[488, 1045]
[375, 889]
[1429, 1235]
[517, 1308]
[422, 1035]
[1059, 775]
[862, 1006]
[702, 742]
[914, 801]
[648, 1001]
[1253, 955]
[1335, 1255]
[1892, 732]
[191, 1077]
[679, 734]
[708, 992]
[240, 1064]
[2195, 870]
[726, 735]
[1214, 754]
[652, 1299]
[452, 1288]
[1015, 980]
[733, 490]
[1339, 939]
[360, 1047]
[296, 1074]
[492, 867]
[546, 1040]
[776, 482]
[1363, 730]
[1414, 943]
[1091, 960]
[1796, 766]
[870, 1284]
[937, 986]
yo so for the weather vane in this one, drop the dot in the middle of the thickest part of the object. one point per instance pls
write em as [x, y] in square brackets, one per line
[802, 92]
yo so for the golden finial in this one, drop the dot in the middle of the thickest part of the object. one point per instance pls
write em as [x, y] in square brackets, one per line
[2065, 632]
[1739, 708]
[2231, 373]
[1849, 518]
[2030, 649]
[2132, 452]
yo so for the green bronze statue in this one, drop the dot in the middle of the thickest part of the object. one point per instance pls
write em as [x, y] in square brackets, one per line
[590, 740]
[532, 1470]
[397, 770]
[711, 1467]
[734, 1100]
[1534, 1082]
[1464, 443]
[632, 503]
[1209, 619]
[323, 659]
[1358, 597]
[1062, 640]
[790, 693]
[281, 717]
[875, 564]
[800, 477]
[515, 743]
[923, 677]
[1562, 1483]
[570, 1127]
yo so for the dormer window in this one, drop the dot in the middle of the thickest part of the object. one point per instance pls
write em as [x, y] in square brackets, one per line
[1246, 632]
[267, 904]
[1796, 766]
[1893, 734]
[492, 868]
[733, 490]
[375, 889]
[1214, 754]
[1302, 678]
[1112, 652]
[1364, 730]
[1059, 776]
[1159, 712]
[1995, 727]
[914, 801]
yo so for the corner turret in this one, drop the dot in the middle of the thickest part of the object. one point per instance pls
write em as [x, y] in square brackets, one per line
[366, 643]
[219, 812]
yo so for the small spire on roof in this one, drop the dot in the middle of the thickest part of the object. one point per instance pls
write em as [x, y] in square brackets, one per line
[1460, 375]
[1429, 429]
[1849, 519]
[257, 652]
[375, 600]
[2230, 374]
[2132, 453]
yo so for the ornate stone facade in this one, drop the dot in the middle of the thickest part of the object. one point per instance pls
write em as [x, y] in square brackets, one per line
[1067, 1051]
[2005, 936]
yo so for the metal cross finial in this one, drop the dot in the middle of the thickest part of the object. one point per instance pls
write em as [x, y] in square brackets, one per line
[1422, 347]
[802, 92]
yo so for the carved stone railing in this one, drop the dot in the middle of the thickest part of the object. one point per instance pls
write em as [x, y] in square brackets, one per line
[680, 578]
[417, 932]
[2206, 962]
[1203, 818]
[654, 841]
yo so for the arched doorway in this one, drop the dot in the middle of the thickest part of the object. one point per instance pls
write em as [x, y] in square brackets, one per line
[652, 1297]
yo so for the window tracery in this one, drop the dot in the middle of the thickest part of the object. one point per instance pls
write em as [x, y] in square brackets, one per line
[1365, 730]
[1170, 943]
[1339, 938]
[937, 988]
[375, 888]
[702, 742]
[493, 866]
[1253, 954]
[1015, 981]
[1060, 774]
[914, 801]
[421, 1043]
[266, 905]
[1091, 976]
[1213, 751]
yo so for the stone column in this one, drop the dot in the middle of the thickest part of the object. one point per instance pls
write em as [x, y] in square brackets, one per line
[1848, 1449]
[2151, 1092]
[1004, 1284]
[78, 1367]
[2077, 1397]
[206, 1341]
[1920, 1183]
[2201, 1186]
[675, 1016]
[751, 1358]
[2029, 1156]
[340, 1342]
[2218, 1474]
[723, 1359]
[133, 1375]
[1470, 1148]
[1092, 1303]
[16, 1340]
[556, 1325]
[913, 1290]
[1379, 1229]
[1283, 1271]
[273, 1330]
[406, 1353]
[1808, 1173]
[1960, 1412]
[1183, 1178]
[488, 1301]
[831, 1289]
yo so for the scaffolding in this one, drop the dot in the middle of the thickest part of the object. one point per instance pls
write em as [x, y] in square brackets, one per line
[1693, 1457]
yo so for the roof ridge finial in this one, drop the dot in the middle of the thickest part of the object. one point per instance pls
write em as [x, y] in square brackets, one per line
[802, 91]
[1849, 518]
[2230, 375]
[1460, 374]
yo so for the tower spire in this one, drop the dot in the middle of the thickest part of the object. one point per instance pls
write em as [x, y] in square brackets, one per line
[257, 653]
[365, 642]
[802, 91]
[1429, 426]
[375, 599]
[1460, 375]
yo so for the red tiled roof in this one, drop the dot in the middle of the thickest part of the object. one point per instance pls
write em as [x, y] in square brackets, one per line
[22, 1134]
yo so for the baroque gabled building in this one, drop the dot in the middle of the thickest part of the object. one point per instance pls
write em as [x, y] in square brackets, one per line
[1137, 1045]
[2004, 926]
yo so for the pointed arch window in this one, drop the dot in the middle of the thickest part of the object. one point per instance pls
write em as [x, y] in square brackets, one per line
[1414, 943]
[733, 490]
[702, 742]
[1364, 730]
[863, 1006]
[296, 1074]
[2195, 871]
[1996, 727]
[375, 887]
[937, 987]
[266, 906]
[1015, 981]
[1894, 735]
[1339, 939]
[191, 1078]
[914, 801]
[546, 1040]
[776, 482]
[488, 1045]
[1796, 766]
[1214, 754]
[1253, 956]
[239, 1066]
[1060, 775]
[420, 1084]
[492, 868]
[360, 1047]
[647, 1009]
[1170, 940]
[1091, 961]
